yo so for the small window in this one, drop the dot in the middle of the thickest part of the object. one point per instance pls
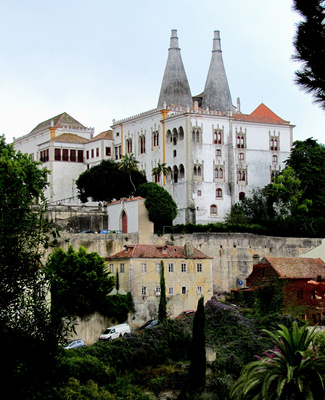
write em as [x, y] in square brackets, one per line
[241, 196]
[213, 209]
[158, 291]
[183, 267]
[143, 268]
[199, 193]
[87, 154]
[241, 156]
[199, 290]
[80, 155]
[218, 153]
[92, 153]
[175, 153]
[108, 151]
[199, 267]
[170, 290]
[219, 193]
[122, 268]
[157, 267]
[183, 289]
[97, 152]
[111, 268]
[170, 267]
[275, 158]
[65, 155]
[117, 134]
[144, 291]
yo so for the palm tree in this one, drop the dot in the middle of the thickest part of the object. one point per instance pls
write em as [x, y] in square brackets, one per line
[160, 169]
[288, 373]
[129, 164]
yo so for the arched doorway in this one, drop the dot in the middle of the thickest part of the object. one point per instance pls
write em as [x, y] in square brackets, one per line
[124, 222]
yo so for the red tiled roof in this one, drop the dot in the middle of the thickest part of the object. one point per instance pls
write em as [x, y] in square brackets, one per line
[156, 251]
[103, 135]
[126, 199]
[261, 114]
[69, 138]
[294, 267]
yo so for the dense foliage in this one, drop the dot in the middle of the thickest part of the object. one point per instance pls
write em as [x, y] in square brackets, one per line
[29, 331]
[309, 44]
[107, 181]
[80, 285]
[159, 203]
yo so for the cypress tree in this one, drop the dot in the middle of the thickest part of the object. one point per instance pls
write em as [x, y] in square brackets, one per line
[198, 358]
[162, 310]
[117, 282]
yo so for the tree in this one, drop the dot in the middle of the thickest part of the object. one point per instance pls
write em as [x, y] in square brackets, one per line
[198, 357]
[29, 330]
[105, 182]
[288, 372]
[159, 203]
[309, 44]
[129, 164]
[80, 284]
[159, 170]
[162, 310]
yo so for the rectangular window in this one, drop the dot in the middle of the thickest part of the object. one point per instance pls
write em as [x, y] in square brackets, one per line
[80, 155]
[87, 154]
[122, 268]
[108, 151]
[199, 290]
[170, 290]
[157, 267]
[57, 154]
[73, 155]
[199, 267]
[144, 291]
[183, 267]
[183, 289]
[143, 267]
[170, 267]
[92, 153]
[65, 155]
[199, 193]
[111, 268]
[97, 152]
[158, 291]
[218, 153]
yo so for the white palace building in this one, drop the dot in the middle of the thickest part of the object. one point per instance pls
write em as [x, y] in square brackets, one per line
[215, 154]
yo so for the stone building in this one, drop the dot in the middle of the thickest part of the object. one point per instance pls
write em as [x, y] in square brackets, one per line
[188, 276]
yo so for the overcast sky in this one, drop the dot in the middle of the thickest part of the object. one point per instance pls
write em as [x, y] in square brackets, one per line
[104, 59]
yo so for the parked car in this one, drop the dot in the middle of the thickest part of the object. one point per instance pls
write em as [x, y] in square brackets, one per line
[148, 324]
[75, 344]
[185, 313]
[115, 331]
[87, 231]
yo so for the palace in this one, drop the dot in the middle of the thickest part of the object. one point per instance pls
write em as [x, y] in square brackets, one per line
[215, 154]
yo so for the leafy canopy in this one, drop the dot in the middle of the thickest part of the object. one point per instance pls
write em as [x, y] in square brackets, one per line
[80, 283]
[107, 181]
[159, 203]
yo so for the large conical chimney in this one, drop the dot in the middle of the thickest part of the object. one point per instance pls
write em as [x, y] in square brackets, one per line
[216, 94]
[175, 88]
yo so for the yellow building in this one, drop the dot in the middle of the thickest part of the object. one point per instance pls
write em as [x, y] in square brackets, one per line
[188, 276]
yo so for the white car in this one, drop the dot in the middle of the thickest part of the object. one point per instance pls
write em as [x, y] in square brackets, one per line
[75, 344]
[114, 332]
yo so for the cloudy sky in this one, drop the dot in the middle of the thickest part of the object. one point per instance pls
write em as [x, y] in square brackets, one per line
[104, 59]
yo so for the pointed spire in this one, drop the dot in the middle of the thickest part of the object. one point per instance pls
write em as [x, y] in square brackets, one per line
[216, 92]
[175, 88]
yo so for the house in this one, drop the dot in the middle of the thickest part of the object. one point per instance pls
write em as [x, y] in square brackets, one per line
[303, 282]
[187, 271]
[129, 215]
[216, 155]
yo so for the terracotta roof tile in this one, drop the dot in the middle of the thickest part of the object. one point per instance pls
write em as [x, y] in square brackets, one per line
[103, 135]
[297, 267]
[261, 114]
[127, 199]
[156, 251]
[69, 138]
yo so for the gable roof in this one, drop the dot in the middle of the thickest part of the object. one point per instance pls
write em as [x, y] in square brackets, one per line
[103, 135]
[69, 138]
[156, 251]
[59, 121]
[261, 114]
[294, 267]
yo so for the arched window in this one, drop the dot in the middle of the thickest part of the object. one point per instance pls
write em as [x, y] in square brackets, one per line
[181, 133]
[241, 196]
[181, 171]
[142, 144]
[213, 209]
[218, 173]
[124, 222]
[129, 145]
[193, 136]
[219, 193]
[275, 144]
[199, 171]
[240, 142]
[195, 170]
